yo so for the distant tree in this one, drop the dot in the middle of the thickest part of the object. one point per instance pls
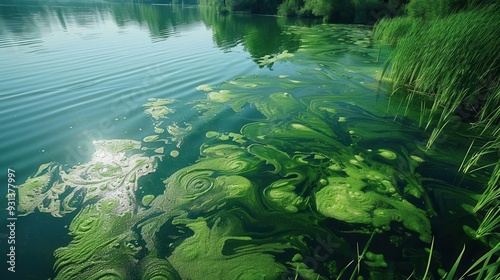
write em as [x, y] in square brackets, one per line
[241, 5]
[320, 8]
[266, 6]
[290, 8]
[428, 9]
[369, 11]
[329, 10]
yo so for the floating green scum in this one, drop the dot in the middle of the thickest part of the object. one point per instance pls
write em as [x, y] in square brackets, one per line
[250, 207]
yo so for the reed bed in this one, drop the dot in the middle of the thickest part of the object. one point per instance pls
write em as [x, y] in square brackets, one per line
[454, 63]
[454, 60]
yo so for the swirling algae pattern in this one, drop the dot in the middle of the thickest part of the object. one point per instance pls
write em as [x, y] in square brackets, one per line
[111, 173]
[252, 263]
[248, 207]
[101, 247]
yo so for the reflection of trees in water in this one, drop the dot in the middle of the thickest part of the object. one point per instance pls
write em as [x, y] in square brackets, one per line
[22, 20]
[29, 18]
[160, 20]
[259, 35]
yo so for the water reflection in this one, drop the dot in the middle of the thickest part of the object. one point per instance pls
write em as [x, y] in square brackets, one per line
[259, 37]
[161, 20]
[27, 22]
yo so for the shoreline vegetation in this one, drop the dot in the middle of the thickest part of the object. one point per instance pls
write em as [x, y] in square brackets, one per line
[445, 59]
[330, 11]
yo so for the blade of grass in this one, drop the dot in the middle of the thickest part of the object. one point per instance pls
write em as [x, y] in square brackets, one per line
[483, 258]
[362, 255]
[344, 270]
[429, 260]
[451, 274]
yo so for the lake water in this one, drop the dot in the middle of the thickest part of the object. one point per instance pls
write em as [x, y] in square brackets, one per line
[173, 141]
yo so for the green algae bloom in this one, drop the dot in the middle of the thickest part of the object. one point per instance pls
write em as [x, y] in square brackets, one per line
[155, 268]
[251, 204]
[109, 258]
[417, 159]
[158, 111]
[295, 163]
[146, 200]
[199, 256]
[204, 88]
[151, 138]
[387, 154]
[36, 189]
[211, 134]
[270, 59]
[174, 153]
[109, 174]
[367, 197]
[375, 260]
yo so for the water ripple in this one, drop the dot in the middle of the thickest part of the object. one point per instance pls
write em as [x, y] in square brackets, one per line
[63, 87]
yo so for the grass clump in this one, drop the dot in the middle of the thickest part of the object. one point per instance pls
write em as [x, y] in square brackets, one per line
[451, 61]
[454, 60]
[388, 31]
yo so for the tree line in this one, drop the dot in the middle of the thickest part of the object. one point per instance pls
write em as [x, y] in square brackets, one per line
[345, 11]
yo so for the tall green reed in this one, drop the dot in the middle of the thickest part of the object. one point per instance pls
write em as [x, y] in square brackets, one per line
[453, 64]
[455, 61]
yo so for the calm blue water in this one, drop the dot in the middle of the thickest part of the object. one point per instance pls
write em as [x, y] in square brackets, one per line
[70, 75]
[73, 73]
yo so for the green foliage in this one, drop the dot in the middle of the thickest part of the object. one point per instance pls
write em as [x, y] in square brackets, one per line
[241, 5]
[428, 9]
[289, 8]
[320, 8]
[485, 267]
[267, 6]
[339, 11]
[462, 78]
[364, 9]
[462, 75]
[329, 10]
[389, 31]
